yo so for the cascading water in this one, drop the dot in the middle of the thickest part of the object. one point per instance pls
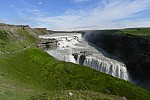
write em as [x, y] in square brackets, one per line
[72, 48]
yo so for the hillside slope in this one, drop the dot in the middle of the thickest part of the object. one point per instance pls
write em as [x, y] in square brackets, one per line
[13, 37]
[33, 71]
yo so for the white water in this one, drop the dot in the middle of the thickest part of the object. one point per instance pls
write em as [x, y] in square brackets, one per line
[95, 58]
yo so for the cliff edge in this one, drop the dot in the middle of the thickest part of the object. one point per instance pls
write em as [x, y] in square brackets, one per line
[131, 45]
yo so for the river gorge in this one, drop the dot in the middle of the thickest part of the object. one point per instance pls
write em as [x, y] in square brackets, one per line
[72, 47]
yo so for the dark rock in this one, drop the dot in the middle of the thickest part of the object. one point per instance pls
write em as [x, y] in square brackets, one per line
[124, 98]
[133, 50]
[107, 91]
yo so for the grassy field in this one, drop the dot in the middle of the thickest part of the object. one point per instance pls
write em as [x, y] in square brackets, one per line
[128, 31]
[74, 95]
[33, 72]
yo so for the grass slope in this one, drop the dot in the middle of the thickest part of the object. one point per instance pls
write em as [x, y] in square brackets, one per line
[15, 41]
[16, 37]
[74, 95]
[33, 72]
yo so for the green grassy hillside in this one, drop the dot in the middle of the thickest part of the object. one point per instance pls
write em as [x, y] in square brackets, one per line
[74, 95]
[9, 42]
[14, 38]
[33, 72]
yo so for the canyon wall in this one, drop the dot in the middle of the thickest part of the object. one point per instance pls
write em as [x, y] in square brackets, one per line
[134, 50]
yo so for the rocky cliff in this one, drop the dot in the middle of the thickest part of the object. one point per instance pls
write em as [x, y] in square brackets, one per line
[133, 49]
[15, 28]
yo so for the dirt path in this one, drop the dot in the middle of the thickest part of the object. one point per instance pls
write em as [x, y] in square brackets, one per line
[18, 50]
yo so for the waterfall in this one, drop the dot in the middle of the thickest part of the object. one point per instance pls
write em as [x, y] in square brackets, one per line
[113, 68]
[62, 56]
[72, 48]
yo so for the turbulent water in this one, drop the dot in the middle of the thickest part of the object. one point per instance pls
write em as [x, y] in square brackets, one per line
[73, 48]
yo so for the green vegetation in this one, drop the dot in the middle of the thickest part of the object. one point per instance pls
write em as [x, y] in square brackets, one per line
[33, 74]
[3, 39]
[74, 95]
[15, 41]
[43, 31]
[128, 31]
[33, 71]
[15, 38]
[137, 31]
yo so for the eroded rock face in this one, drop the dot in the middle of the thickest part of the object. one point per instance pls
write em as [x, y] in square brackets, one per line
[82, 57]
[133, 50]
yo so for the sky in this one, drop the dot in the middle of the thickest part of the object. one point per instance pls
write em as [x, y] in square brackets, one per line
[76, 14]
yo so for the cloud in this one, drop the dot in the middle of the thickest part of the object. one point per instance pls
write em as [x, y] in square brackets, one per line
[25, 9]
[12, 5]
[40, 3]
[78, 1]
[99, 17]
[135, 23]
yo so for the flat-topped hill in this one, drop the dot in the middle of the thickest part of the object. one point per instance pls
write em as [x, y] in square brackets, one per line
[127, 31]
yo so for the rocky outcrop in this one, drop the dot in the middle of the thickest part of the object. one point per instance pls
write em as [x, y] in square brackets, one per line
[81, 56]
[16, 28]
[45, 44]
[133, 50]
